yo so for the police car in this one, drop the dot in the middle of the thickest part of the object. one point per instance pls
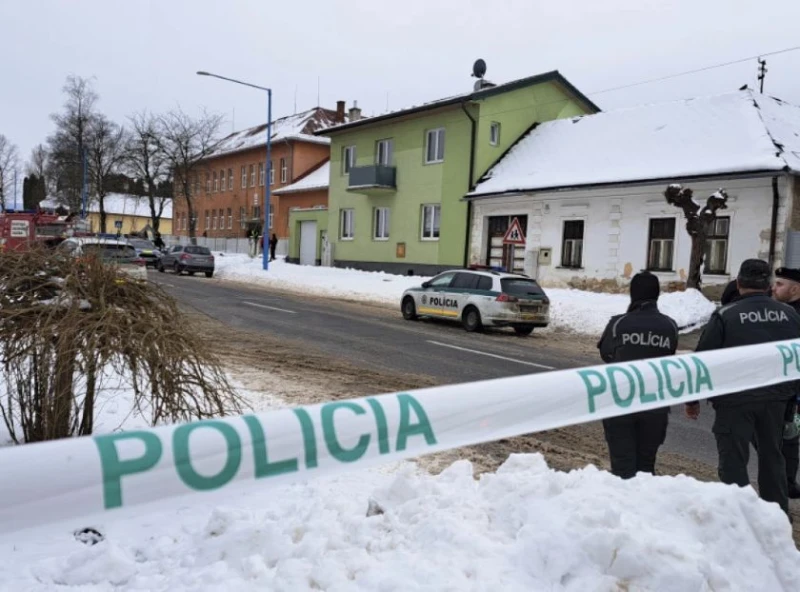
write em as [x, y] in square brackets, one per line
[479, 299]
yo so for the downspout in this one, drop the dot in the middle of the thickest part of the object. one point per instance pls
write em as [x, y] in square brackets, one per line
[474, 132]
[773, 233]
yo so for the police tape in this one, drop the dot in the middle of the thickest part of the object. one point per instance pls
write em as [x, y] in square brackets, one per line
[75, 478]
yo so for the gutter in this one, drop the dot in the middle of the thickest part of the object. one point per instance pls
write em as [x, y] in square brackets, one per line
[470, 185]
[773, 231]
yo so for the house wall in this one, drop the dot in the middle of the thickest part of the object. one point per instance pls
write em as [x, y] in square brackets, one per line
[320, 216]
[300, 158]
[305, 199]
[129, 223]
[616, 228]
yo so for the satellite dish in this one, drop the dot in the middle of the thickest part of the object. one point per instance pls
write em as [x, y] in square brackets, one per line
[479, 68]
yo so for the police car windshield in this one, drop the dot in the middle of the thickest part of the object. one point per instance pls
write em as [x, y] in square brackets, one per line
[521, 287]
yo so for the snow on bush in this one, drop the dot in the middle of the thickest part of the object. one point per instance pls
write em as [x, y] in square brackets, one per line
[523, 528]
[571, 310]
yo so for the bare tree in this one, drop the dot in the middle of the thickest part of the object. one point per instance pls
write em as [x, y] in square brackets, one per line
[698, 223]
[9, 162]
[39, 162]
[106, 145]
[67, 144]
[185, 142]
[145, 160]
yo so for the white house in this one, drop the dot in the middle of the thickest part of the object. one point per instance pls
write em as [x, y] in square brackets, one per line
[589, 191]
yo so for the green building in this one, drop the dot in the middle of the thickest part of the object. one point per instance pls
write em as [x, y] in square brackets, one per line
[397, 181]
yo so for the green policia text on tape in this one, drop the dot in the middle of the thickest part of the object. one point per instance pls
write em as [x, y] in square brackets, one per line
[413, 422]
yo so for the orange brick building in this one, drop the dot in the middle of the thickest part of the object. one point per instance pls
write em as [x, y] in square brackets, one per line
[232, 198]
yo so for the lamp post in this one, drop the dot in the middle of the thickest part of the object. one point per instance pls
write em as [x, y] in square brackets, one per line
[267, 165]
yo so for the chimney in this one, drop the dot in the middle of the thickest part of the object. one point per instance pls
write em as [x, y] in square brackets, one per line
[339, 112]
[355, 112]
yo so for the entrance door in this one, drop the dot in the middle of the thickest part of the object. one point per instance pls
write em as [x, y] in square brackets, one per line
[308, 242]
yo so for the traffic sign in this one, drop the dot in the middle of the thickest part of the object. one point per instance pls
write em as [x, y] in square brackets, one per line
[514, 234]
[118, 224]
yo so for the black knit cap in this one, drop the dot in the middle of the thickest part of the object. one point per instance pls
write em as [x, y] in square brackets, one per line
[754, 274]
[644, 286]
[788, 273]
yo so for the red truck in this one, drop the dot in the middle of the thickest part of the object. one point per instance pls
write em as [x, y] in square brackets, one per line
[20, 228]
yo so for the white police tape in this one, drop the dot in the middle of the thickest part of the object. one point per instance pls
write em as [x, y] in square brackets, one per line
[74, 478]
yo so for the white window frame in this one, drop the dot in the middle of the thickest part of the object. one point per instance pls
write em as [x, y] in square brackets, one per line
[213, 219]
[573, 242]
[244, 177]
[494, 133]
[271, 215]
[348, 159]
[434, 208]
[381, 219]
[651, 240]
[347, 226]
[284, 170]
[222, 180]
[242, 217]
[230, 218]
[207, 227]
[216, 181]
[260, 174]
[438, 137]
[718, 239]
[271, 173]
[252, 175]
[208, 182]
[384, 152]
[230, 179]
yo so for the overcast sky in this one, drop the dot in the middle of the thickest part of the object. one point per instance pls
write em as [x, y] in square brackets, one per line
[144, 54]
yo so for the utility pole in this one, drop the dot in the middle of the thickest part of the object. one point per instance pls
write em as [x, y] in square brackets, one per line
[762, 72]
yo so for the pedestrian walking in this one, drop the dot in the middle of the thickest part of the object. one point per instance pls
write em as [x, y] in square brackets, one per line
[273, 244]
[642, 332]
[756, 414]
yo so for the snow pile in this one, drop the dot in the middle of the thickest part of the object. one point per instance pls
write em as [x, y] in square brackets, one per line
[524, 528]
[570, 310]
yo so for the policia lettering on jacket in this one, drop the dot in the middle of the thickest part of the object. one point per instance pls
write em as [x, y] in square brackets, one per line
[641, 333]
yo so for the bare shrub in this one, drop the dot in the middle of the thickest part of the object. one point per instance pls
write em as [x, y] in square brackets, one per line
[67, 325]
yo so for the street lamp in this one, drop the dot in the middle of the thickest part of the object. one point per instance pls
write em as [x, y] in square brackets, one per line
[267, 165]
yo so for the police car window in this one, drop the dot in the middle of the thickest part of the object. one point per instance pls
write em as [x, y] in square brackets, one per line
[484, 283]
[521, 287]
[442, 281]
[465, 281]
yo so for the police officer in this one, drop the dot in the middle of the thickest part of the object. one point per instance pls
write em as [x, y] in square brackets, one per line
[643, 332]
[758, 413]
[786, 289]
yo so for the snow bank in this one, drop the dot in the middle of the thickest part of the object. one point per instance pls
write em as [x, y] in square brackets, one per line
[524, 528]
[571, 310]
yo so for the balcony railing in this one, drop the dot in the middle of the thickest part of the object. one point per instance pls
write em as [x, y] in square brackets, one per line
[373, 177]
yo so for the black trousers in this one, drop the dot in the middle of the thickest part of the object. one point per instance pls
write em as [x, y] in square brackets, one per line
[791, 455]
[633, 441]
[735, 426]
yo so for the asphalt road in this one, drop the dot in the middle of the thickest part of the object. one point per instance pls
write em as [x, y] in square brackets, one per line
[382, 340]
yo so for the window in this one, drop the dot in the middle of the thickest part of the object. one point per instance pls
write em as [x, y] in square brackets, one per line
[661, 244]
[380, 230]
[230, 218]
[521, 287]
[442, 281]
[207, 220]
[494, 133]
[346, 225]
[213, 219]
[261, 174]
[271, 174]
[717, 246]
[256, 212]
[244, 177]
[484, 283]
[222, 180]
[465, 281]
[430, 222]
[271, 214]
[572, 245]
[284, 171]
[196, 188]
[348, 158]
[208, 183]
[216, 182]
[434, 146]
[252, 175]
[242, 216]
[183, 221]
[383, 152]
[230, 179]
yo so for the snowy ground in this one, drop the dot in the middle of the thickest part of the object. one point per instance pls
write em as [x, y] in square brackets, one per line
[571, 310]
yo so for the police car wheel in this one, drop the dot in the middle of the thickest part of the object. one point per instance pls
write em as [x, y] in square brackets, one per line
[471, 319]
[523, 330]
[409, 309]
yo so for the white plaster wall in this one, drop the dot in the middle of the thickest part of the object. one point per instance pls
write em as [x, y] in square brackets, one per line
[616, 226]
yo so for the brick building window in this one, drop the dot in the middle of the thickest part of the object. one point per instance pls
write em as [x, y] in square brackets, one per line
[261, 174]
[242, 217]
[252, 175]
[206, 226]
[216, 182]
[244, 177]
[284, 170]
[230, 179]
[230, 218]
[271, 174]
[208, 183]
[222, 180]
[213, 219]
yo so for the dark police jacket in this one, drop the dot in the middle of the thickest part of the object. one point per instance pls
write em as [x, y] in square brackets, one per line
[751, 319]
[643, 332]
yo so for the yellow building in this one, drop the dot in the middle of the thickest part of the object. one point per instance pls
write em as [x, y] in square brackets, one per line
[128, 213]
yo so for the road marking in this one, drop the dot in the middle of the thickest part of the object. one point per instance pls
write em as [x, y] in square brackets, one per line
[480, 353]
[268, 307]
[165, 284]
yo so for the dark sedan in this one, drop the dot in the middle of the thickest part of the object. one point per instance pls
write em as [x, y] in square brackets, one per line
[189, 259]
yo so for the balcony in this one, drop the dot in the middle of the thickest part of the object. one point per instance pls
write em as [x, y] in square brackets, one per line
[376, 179]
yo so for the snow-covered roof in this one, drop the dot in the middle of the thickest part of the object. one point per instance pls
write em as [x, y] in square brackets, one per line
[300, 127]
[730, 133]
[118, 204]
[317, 179]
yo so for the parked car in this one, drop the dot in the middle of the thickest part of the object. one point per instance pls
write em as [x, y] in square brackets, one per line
[479, 299]
[187, 258]
[146, 250]
[110, 251]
